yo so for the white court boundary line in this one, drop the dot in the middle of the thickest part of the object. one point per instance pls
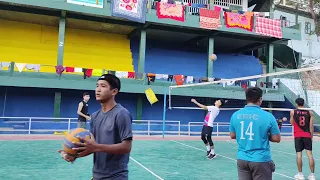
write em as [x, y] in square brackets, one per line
[293, 154]
[225, 157]
[154, 174]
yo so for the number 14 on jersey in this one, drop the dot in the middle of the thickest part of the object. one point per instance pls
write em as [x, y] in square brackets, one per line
[248, 131]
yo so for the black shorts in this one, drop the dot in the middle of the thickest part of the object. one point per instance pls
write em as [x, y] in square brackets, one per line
[207, 130]
[302, 143]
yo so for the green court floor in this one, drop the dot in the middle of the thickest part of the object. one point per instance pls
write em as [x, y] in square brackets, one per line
[150, 160]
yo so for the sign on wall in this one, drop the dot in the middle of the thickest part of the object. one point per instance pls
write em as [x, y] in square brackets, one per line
[92, 3]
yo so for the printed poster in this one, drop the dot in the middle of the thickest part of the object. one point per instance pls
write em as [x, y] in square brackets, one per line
[91, 3]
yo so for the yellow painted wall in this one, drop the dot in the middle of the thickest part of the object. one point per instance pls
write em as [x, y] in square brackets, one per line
[29, 43]
[97, 50]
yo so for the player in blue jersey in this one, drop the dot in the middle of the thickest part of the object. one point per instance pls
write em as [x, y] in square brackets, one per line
[253, 128]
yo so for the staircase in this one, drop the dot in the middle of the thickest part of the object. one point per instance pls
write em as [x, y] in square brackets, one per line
[291, 96]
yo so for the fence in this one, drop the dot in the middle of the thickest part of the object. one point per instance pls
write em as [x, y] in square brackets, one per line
[47, 125]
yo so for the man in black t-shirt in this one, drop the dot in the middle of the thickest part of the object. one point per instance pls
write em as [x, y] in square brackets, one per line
[83, 108]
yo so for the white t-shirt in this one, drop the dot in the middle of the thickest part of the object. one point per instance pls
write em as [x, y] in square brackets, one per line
[213, 112]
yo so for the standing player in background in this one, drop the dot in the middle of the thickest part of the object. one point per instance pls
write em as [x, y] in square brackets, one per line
[83, 109]
[253, 128]
[302, 122]
[111, 129]
[213, 112]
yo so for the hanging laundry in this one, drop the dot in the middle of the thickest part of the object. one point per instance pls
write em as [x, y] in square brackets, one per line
[268, 27]
[193, 5]
[122, 74]
[69, 69]
[217, 8]
[78, 70]
[86, 73]
[151, 96]
[179, 79]
[20, 66]
[209, 19]
[59, 69]
[197, 80]
[171, 11]
[253, 83]
[204, 79]
[244, 21]
[151, 77]
[170, 78]
[162, 76]
[97, 72]
[131, 75]
[5, 65]
[112, 72]
[35, 67]
[189, 79]
[138, 76]
[130, 10]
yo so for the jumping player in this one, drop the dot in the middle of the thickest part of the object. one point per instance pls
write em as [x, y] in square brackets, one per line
[111, 128]
[302, 121]
[253, 128]
[213, 112]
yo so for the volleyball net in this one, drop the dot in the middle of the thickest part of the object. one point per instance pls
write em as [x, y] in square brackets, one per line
[280, 89]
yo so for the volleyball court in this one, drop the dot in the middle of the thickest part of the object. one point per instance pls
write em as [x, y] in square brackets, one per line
[182, 156]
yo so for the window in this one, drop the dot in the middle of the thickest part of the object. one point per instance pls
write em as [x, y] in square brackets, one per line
[307, 28]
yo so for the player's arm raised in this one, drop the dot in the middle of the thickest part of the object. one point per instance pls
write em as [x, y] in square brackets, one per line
[311, 124]
[199, 104]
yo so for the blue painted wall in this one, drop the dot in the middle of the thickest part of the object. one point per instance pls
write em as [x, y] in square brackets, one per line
[27, 102]
[161, 59]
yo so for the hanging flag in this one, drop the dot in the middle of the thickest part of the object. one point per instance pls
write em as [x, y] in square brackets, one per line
[151, 96]
[20, 66]
[179, 79]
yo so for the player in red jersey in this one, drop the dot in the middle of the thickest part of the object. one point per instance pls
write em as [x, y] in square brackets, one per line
[302, 122]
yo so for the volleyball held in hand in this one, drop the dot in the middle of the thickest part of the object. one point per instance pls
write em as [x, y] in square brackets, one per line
[72, 137]
[213, 57]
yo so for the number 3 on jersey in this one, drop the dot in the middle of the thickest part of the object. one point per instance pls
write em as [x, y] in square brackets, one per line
[248, 131]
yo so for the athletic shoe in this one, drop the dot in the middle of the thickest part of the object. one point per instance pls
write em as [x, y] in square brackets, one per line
[311, 177]
[208, 152]
[211, 156]
[299, 176]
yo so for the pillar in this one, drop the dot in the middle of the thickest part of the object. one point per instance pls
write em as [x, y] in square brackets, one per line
[142, 50]
[62, 32]
[57, 104]
[270, 61]
[210, 51]
[139, 106]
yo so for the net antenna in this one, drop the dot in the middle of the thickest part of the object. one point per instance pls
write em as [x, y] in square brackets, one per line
[278, 75]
